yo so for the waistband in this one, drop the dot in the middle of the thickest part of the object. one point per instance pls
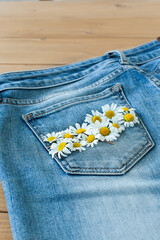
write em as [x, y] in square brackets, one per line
[49, 77]
[140, 54]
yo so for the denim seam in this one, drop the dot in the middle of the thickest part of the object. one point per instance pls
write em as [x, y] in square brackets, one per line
[93, 85]
[74, 101]
[67, 66]
[34, 129]
[137, 154]
[107, 78]
[146, 61]
[123, 98]
[83, 73]
[155, 69]
[37, 127]
[153, 79]
[141, 48]
[147, 147]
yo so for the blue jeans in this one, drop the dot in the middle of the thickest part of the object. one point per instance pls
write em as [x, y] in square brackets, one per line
[108, 191]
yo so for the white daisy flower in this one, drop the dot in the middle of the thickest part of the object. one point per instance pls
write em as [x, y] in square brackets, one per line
[90, 140]
[61, 148]
[66, 134]
[110, 111]
[51, 137]
[128, 118]
[115, 124]
[96, 116]
[124, 109]
[76, 144]
[105, 126]
[105, 132]
[79, 130]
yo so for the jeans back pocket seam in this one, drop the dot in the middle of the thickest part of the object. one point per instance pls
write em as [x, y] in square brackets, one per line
[116, 89]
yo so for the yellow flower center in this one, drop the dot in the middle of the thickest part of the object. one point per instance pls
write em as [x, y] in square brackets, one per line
[115, 125]
[68, 135]
[104, 131]
[128, 117]
[95, 118]
[81, 130]
[110, 114]
[125, 109]
[51, 138]
[76, 144]
[90, 138]
[61, 146]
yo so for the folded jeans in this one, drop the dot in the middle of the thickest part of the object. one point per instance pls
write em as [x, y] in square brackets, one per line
[105, 190]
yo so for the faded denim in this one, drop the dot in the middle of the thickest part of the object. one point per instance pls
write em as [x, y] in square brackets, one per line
[111, 192]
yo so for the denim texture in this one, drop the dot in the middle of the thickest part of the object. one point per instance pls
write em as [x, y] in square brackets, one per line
[109, 192]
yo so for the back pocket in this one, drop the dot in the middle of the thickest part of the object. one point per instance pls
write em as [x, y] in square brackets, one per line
[97, 134]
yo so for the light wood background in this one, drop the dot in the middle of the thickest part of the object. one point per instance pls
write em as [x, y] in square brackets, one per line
[36, 35]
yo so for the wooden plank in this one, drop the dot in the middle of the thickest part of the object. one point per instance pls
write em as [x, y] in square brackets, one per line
[72, 8]
[87, 19]
[60, 51]
[97, 28]
[3, 207]
[5, 229]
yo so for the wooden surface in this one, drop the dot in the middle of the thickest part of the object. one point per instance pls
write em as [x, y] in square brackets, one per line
[37, 35]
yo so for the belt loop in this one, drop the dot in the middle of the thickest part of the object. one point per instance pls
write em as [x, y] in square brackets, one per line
[123, 58]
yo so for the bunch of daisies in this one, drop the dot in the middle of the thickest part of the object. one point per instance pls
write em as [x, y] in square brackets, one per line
[106, 126]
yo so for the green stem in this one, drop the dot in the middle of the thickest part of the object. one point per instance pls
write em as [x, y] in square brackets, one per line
[108, 142]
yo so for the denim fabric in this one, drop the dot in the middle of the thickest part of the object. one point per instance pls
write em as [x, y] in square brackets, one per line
[109, 192]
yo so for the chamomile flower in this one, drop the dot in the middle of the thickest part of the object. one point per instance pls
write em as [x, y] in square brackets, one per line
[76, 144]
[124, 109]
[115, 124]
[90, 140]
[110, 111]
[105, 132]
[96, 116]
[128, 118]
[66, 134]
[61, 148]
[78, 130]
[105, 126]
[51, 137]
